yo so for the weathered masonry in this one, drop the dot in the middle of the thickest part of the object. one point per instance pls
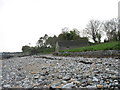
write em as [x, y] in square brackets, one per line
[69, 44]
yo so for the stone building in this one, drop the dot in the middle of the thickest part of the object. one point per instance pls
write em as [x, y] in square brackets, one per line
[69, 44]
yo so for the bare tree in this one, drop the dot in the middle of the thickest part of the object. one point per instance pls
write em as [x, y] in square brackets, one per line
[118, 28]
[40, 42]
[111, 29]
[93, 30]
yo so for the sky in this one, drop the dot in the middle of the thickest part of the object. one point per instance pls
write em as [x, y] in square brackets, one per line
[23, 22]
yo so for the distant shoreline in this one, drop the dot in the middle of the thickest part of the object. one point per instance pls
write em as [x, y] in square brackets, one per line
[87, 54]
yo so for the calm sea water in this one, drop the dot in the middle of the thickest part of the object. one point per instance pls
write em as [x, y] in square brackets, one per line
[0, 55]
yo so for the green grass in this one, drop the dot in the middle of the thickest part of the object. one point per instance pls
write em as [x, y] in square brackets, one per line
[115, 45]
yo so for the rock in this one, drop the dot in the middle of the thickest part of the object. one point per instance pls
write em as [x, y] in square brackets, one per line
[42, 77]
[64, 82]
[91, 86]
[83, 80]
[115, 85]
[85, 75]
[114, 77]
[33, 72]
[68, 85]
[71, 80]
[36, 77]
[35, 85]
[107, 81]
[60, 76]
[42, 73]
[99, 86]
[40, 80]
[7, 86]
[83, 85]
[46, 82]
[66, 78]
[56, 85]
[20, 68]
[52, 86]
[46, 73]
[89, 80]
[76, 83]
[27, 86]
[95, 79]
[116, 82]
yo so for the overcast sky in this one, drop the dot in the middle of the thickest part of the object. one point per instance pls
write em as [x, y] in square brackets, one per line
[24, 21]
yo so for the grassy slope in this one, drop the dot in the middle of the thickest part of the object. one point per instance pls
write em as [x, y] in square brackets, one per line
[115, 45]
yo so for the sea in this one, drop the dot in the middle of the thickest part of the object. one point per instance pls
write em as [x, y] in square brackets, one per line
[0, 55]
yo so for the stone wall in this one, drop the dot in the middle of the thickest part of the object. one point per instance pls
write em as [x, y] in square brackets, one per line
[101, 53]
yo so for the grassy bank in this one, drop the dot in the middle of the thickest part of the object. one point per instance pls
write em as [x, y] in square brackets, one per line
[115, 45]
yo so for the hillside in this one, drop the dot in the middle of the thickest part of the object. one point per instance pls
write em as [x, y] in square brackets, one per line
[115, 45]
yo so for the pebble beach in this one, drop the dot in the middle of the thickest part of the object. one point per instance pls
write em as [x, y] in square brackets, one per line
[49, 71]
